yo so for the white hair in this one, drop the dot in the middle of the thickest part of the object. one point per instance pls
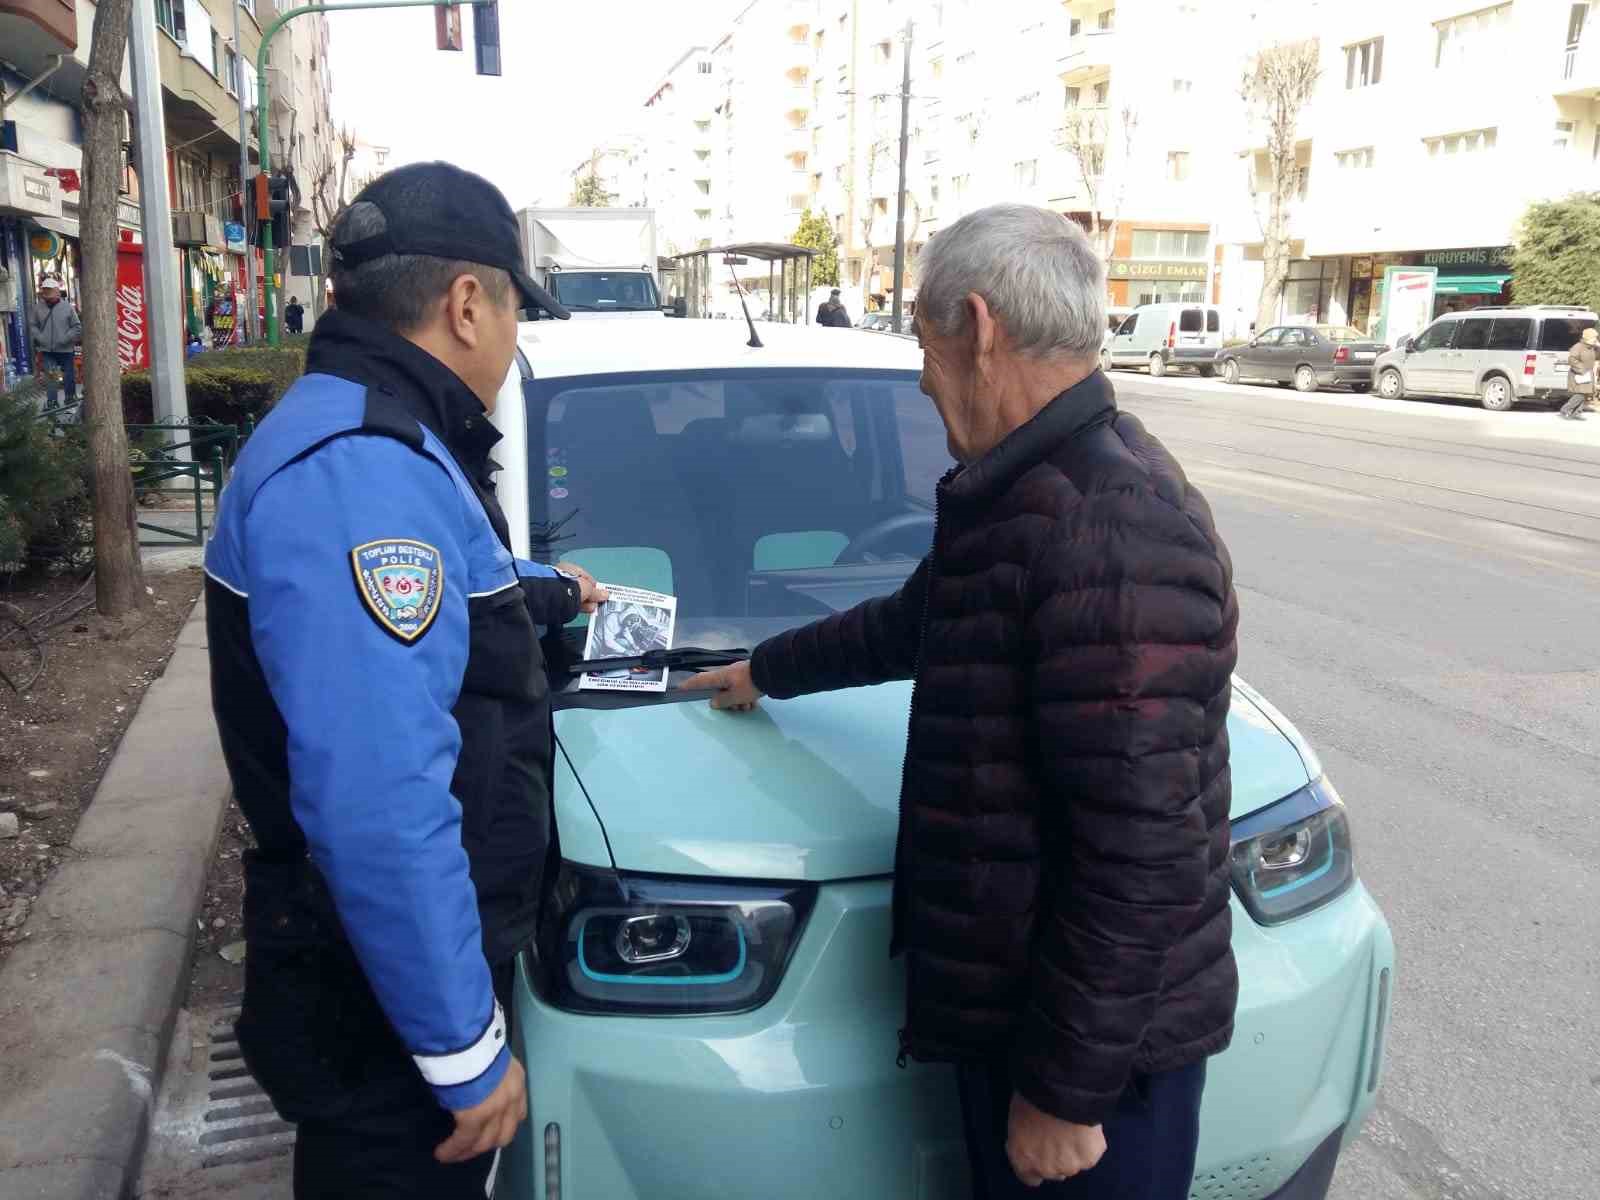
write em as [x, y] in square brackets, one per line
[1036, 270]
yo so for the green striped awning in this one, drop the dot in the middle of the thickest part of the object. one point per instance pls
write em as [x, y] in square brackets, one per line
[1472, 285]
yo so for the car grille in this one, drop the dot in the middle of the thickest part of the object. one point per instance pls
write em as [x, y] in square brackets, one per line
[1248, 1180]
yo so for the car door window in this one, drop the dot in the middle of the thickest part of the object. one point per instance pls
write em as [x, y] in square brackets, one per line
[1213, 321]
[1510, 333]
[1435, 337]
[1129, 326]
[1294, 337]
[1473, 334]
[1562, 333]
[1269, 338]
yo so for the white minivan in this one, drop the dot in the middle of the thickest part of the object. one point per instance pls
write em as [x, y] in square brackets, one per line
[1159, 336]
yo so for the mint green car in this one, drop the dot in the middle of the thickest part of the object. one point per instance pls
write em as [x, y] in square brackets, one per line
[709, 1008]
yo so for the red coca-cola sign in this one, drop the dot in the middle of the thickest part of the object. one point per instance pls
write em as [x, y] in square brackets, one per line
[133, 326]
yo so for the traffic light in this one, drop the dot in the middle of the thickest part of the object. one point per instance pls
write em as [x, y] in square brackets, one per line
[274, 195]
[486, 36]
[447, 26]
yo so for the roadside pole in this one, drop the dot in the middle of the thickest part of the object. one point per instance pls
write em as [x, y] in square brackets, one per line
[268, 257]
[162, 302]
[246, 195]
[900, 200]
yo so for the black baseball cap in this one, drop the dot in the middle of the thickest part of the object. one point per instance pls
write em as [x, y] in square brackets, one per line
[440, 210]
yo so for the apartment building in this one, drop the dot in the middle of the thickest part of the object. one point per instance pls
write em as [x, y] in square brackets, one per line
[618, 165]
[1433, 126]
[679, 146]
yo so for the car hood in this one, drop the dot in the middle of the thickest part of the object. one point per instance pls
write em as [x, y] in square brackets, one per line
[806, 789]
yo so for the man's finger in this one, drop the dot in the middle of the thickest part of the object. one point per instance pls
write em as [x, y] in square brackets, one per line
[454, 1148]
[706, 681]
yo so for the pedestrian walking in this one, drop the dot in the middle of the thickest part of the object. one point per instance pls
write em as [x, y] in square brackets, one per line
[381, 698]
[57, 331]
[294, 315]
[1062, 880]
[1581, 361]
[832, 312]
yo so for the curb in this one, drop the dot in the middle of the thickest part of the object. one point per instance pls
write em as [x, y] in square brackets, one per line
[87, 1003]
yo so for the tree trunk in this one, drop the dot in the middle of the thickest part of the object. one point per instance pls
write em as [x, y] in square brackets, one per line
[119, 576]
[1274, 255]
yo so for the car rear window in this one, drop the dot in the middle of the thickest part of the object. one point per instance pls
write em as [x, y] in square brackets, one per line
[1510, 333]
[1213, 321]
[1191, 320]
[1562, 333]
[1473, 334]
[1340, 333]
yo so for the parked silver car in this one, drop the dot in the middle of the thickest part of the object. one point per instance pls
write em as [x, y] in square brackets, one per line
[1498, 355]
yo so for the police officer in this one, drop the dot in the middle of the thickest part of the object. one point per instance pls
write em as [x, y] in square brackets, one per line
[381, 697]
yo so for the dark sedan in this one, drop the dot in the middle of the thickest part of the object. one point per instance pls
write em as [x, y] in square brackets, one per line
[1308, 356]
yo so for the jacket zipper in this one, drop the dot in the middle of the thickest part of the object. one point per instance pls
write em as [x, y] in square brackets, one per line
[896, 941]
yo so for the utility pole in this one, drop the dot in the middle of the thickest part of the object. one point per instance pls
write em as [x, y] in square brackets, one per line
[160, 272]
[900, 200]
[246, 195]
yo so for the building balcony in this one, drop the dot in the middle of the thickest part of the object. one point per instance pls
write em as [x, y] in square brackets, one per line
[1088, 52]
[47, 26]
[1578, 69]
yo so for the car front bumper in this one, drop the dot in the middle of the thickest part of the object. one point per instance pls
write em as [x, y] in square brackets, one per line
[802, 1098]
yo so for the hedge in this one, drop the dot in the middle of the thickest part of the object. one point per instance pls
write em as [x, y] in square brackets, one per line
[44, 486]
[224, 385]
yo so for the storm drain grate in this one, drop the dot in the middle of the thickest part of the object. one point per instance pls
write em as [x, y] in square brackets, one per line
[241, 1126]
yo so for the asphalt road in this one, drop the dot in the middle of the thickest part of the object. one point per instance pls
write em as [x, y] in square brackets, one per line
[1420, 592]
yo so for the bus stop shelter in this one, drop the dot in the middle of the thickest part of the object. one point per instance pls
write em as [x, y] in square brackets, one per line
[788, 299]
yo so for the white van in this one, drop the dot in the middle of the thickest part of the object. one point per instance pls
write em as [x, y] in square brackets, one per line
[1159, 336]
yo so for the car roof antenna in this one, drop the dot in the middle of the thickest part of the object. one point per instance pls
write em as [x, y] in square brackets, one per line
[755, 338]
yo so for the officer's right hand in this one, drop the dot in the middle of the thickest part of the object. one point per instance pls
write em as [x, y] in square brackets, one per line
[593, 594]
[491, 1124]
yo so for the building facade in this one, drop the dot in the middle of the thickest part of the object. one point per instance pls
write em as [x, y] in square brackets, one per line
[677, 168]
[1434, 125]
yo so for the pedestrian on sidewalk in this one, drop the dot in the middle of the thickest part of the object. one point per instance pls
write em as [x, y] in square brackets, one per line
[56, 331]
[832, 312]
[381, 697]
[294, 315]
[1581, 361]
[1061, 881]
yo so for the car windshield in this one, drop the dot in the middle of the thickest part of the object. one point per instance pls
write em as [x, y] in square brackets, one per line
[605, 291]
[760, 499]
[1340, 333]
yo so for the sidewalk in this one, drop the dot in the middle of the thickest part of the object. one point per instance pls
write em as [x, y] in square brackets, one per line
[87, 1003]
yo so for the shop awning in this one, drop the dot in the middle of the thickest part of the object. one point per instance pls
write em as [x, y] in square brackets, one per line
[1472, 285]
[65, 226]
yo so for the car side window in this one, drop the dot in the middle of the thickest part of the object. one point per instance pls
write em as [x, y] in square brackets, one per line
[1270, 337]
[1562, 333]
[1129, 326]
[1473, 334]
[1510, 333]
[1293, 337]
[1435, 336]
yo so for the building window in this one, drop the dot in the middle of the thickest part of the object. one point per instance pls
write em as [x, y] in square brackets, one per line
[169, 15]
[1026, 173]
[1363, 64]
[703, 214]
[1471, 39]
[1475, 141]
[703, 68]
[230, 68]
[1102, 93]
[880, 205]
[1177, 165]
[885, 53]
[1182, 87]
[1563, 139]
[959, 185]
[1170, 243]
[1358, 160]
[1107, 20]
[1076, 27]
[936, 68]
[798, 201]
[1073, 97]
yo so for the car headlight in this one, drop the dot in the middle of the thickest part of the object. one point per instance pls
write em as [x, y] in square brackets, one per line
[1293, 856]
[629, 944]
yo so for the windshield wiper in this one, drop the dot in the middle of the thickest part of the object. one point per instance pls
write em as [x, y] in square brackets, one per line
[684, 658]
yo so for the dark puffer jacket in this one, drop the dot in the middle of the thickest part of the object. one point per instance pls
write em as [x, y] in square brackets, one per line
[1062, 876]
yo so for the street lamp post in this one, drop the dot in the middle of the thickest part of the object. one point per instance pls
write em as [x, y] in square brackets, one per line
[263, 105]
[900, 205]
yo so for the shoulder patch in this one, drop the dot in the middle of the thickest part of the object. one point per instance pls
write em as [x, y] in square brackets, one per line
[401, 581]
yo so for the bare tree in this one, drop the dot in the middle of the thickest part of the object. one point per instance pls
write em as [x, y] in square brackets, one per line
[1085, 135]
[868, 216]
[330, 175]
[1277, 86]
[119, 574]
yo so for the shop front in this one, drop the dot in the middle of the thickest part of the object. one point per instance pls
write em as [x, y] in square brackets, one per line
[1468, 277]
[29, 198]
[1158, 264]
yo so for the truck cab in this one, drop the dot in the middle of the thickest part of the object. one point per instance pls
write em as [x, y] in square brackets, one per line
[599, 262]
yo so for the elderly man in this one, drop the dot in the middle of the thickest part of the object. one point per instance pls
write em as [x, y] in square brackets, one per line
[56, 331]
[1062, 871]
[1581, 363]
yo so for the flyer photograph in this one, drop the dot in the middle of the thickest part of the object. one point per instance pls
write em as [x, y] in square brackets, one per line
[630, 623]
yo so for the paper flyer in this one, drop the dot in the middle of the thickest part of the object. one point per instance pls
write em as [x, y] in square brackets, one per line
[630, 623]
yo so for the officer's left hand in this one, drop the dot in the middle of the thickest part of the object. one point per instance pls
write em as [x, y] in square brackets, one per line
[490, 1125]
[593, 594]
[1045, 1148]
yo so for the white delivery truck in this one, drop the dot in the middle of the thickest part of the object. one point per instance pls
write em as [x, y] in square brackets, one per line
[595, 260]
